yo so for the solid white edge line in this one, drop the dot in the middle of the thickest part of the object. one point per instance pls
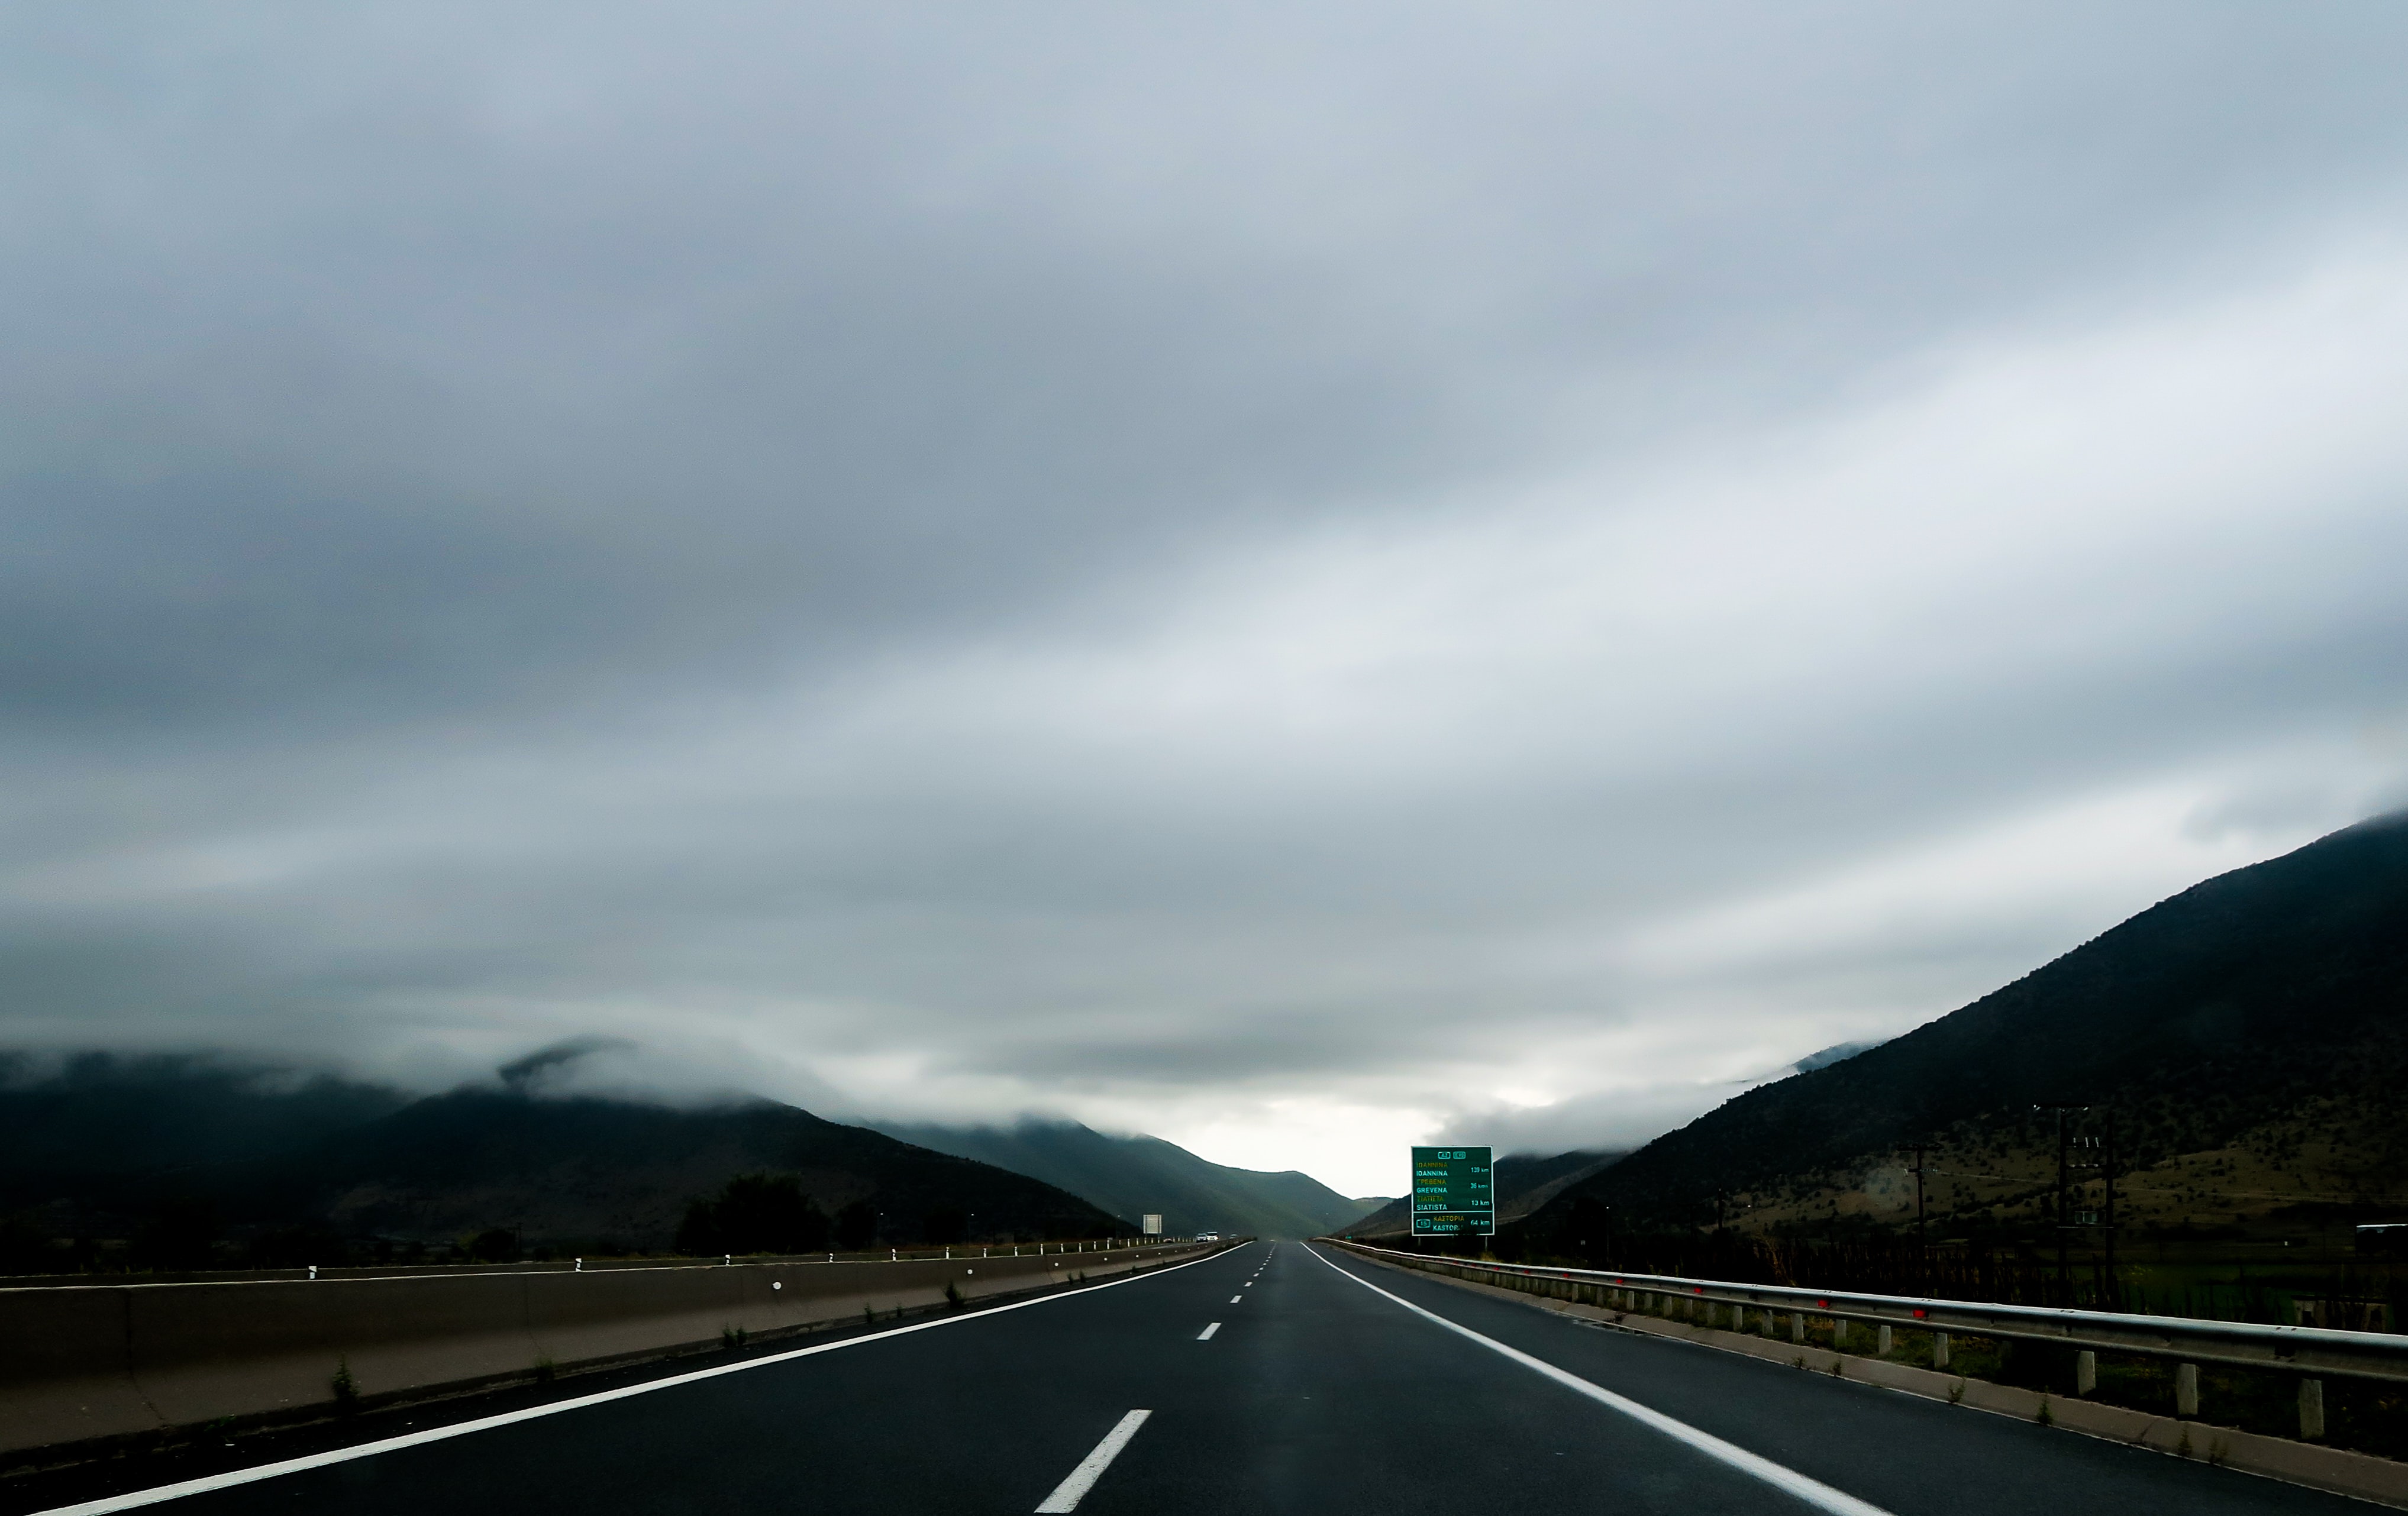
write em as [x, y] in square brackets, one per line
[1066, 1494]
[231, 1478]
[1814, 1492]
[1206, 1335]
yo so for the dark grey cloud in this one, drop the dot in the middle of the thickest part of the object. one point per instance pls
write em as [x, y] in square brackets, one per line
[1290, 576]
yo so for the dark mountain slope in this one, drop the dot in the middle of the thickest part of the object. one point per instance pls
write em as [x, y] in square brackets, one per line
[2249, 996]
[197, 1158]
[593, 1168]
[103, 1123]
[1133, 1175]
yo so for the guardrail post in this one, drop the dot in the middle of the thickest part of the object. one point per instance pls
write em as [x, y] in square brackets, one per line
[2085, 1372]
[2312, 1410]
[1797, 1326]
[1769, 1327]
[1881, 1341]
[1940, 1350]
[2187, 1390]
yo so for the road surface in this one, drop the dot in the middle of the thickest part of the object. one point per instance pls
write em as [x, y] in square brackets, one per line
[1277, 1376]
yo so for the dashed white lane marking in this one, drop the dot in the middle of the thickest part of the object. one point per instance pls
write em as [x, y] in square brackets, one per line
[1082, 1479]
[1206, 1335]
[1235, 1298]
[437, 1434]
[1814, 1492]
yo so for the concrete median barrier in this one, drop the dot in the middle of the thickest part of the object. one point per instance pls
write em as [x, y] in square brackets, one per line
[108, 1360]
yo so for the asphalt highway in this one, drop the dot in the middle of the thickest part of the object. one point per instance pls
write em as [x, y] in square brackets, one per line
[1277, 1376]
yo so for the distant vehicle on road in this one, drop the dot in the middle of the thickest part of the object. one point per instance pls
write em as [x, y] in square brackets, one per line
[1208, 1236]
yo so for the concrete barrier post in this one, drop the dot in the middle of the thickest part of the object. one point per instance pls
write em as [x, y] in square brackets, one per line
[1881, 1341]
[1769, 1327]
[1940, 1350]
[1839, 1334]
[2312, 1410]
[2187, 1390]
[2085, 1372]
[1797, 1326]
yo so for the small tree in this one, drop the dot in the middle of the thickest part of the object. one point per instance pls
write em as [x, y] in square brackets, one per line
[857, 1226]
[180, 1233]
[755, 1212]
[944, 1225]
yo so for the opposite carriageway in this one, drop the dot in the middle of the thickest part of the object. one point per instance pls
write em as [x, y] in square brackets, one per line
[1333, 1383]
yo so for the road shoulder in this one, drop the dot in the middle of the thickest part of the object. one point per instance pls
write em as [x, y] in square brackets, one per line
[2334, 1470]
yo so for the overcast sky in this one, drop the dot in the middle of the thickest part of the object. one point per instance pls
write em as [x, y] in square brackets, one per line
[1295, 578]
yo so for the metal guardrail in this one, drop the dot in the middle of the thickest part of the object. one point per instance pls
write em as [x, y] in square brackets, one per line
[2375, 1355]
[2312, 1352]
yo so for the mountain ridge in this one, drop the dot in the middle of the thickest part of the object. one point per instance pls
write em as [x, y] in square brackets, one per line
[2212, 1013]
[337, 1160]
[1135, 1176]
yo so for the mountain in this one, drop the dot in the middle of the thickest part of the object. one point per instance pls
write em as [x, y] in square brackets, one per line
[2250, 1032]
[591, 1168]
[203, 1148]
[1133, 1175]
[1525, 1183]
[101, 1122]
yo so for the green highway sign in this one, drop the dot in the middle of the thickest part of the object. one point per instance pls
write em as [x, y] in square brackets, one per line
[1454, 1191]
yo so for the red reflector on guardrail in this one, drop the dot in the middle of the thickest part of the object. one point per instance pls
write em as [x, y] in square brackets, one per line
[1918, 1315]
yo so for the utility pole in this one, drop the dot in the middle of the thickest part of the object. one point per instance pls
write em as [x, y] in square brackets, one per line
[1918, 1194]
[2064, 1217]
[2115, 1290]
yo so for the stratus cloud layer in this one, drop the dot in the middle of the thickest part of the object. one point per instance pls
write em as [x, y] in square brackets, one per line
[1295, 582]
